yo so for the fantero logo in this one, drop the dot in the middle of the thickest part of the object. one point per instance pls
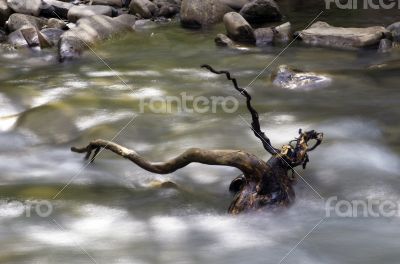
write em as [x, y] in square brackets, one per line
[363, 4]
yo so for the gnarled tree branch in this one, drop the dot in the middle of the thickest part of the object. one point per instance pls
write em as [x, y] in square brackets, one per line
[249, 164]
[255, 124]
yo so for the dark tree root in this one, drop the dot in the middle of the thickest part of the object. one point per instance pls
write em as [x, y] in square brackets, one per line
[262, 185]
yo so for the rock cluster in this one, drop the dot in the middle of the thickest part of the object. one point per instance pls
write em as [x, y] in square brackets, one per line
[72, 26]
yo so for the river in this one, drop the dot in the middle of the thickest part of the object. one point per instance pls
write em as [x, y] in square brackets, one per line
[111, 212]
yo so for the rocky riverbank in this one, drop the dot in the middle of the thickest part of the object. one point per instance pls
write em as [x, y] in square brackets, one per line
[72, 26]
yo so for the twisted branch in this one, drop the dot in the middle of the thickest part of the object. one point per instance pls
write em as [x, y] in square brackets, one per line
[255, 124]
[249, 164]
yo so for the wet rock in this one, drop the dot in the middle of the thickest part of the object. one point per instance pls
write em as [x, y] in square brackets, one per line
[52, 35]
[54, 8]
[116, 3]
[143, 8]
[323, 34]
[238, 29]
[282, 33]
[56, 23]
[167, 8]
[385, 45]
[235, 4]
[202, 13]
[17, 21]
[126, 19]
[35, 38]
[77, 12]
[223, 41]
[5, 12]
[288, 78]
[28, 7]
[50, 123]
[261, 11]
[87, 32]
[28, 37]
[395, 30]
[264, 36]
[17, 40]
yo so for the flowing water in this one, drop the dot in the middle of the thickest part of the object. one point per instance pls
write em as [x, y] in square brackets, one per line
[112, 212]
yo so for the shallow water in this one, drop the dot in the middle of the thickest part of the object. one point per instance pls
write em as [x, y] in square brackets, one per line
[111, 213]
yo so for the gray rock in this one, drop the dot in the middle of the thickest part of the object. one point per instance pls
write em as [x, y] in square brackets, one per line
[223, 41]
[50, 123]
[288, 78]
[126, 19]
[17, 21]
[35, 38]
[17, 40]
[323, 34]
[167, 8]
[261, 11]
[395, 30]
[143, 8]
[54, 8]
[53, 35]
[202, 13]
[282, 33]
[385, 45]
[235, 4]
[264, 36]
[77, 12]
[28, 37]
[238, 29]
[5, 12]
[88, 31]
[116, 3]
[56, 23]
[28, 7]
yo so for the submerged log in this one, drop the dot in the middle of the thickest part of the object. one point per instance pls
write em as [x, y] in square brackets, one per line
[263, 185]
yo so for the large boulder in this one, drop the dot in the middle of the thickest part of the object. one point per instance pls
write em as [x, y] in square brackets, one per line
[143, 8]
[293, 79]
[236, 4]
[29, 7]
[261, 11]
[5, 12]
[323, 34]
[116, 3]
[126, 19]
[55, 8]
[167, 8]
[238, 29]
[202, 13]
[77, 12]
[88, 31]
[18, 21]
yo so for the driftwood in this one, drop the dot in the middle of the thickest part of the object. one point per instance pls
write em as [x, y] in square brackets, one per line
[264, 184]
